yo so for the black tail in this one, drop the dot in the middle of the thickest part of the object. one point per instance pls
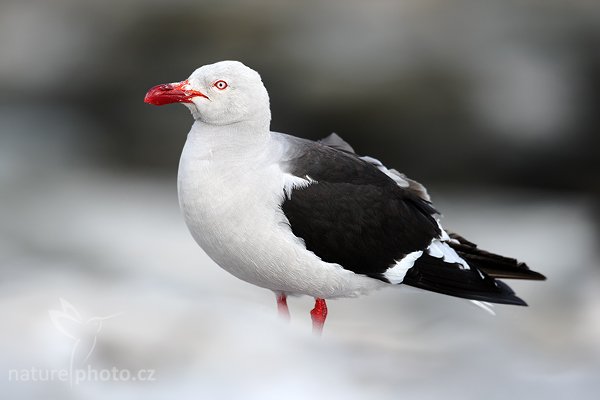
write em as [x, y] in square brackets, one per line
[433, 274]
[476, 283]
[492, 264]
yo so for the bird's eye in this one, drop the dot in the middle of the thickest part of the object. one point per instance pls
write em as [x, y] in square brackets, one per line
[220, 85]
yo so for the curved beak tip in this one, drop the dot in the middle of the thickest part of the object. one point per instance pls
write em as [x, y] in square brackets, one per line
[162, 94]
[168, 93]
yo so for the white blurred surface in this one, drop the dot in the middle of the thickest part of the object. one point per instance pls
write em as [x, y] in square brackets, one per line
[112, 244]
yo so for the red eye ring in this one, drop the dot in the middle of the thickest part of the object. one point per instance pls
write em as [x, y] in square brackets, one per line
[221, 85]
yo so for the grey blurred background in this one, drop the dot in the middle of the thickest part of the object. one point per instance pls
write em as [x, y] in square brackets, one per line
[492, 104]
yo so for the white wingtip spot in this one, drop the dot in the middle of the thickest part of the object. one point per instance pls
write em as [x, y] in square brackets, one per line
[484, 305]
[439, 249]
[397, 273]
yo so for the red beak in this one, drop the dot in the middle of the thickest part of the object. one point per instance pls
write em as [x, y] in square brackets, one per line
[168, 93]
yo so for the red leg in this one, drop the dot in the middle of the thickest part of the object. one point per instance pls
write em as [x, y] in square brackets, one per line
[318, 315]
[282, 307]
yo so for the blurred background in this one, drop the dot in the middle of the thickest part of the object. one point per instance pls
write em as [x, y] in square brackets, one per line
[494, 105]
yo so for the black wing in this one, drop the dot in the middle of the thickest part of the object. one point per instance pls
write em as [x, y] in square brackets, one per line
[358, 217]
[354, 214]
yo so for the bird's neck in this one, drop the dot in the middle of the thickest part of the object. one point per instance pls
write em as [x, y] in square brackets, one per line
[243, 136]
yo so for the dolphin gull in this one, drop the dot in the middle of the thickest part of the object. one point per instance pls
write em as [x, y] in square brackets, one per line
[300, 217]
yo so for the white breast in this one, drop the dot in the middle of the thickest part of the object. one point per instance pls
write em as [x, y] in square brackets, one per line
[230, 196]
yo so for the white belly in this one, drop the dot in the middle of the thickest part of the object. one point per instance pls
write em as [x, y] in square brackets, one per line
[233, 211]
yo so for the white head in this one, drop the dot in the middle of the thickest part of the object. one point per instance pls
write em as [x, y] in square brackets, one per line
[223, 93]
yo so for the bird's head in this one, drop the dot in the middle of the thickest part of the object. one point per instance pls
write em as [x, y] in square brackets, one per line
[223, 93]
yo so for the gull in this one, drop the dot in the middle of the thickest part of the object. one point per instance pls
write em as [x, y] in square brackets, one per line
[301, 217]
